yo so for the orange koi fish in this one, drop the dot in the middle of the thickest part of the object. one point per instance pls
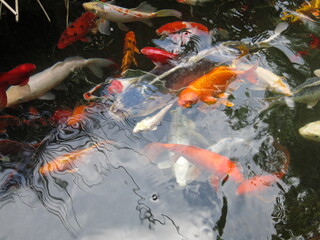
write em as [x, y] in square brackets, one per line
[78, 114]
[173, 27]
[78, 30]
[211, 86]
[262, 182]
[129, 49]
[220, 166]
[17, 76]
[67, 161]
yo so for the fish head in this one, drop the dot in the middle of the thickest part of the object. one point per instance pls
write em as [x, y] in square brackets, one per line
[311, 131]
[94, 7]
[188, 98]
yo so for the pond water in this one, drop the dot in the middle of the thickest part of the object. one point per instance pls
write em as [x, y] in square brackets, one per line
[114, 189]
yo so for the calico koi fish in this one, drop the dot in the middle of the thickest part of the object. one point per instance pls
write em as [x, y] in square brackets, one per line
[173, 27]
[129, 49]
[67, 161]
[17, 76]
[143, 13]
[210, 86]
[158, 56]
[78, 30]
[219, 165]
[262, 182]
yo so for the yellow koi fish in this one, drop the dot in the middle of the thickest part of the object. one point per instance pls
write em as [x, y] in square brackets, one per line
[129, 49]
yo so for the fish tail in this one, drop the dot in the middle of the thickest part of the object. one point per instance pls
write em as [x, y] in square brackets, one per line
[168, 13]
[97, 64]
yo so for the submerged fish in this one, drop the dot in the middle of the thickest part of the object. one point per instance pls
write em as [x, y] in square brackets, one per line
[78, 30]
[308, 7]
[18, 76]
[129, 49]
[218, 165]
[143, 13]
[262, 182]
[311, 131]
[151, 123]
[40, 83]
[67, 161]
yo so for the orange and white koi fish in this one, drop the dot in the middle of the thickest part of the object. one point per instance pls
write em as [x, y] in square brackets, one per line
[67, 161]
[262, 182]
[78, 30]
[219, 165]
[211, 86]
[308, 7]
[143, 13]
[173, 27]
[129, 49]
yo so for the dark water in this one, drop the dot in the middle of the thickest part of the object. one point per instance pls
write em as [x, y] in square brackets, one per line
[115, 192]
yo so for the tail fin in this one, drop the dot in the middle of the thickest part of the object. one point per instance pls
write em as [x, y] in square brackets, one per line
[168, 13]
[96, 64]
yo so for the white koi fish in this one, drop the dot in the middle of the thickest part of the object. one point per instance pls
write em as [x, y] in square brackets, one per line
[143, 13]
[151, 123]
[311, 131]
[40, 83]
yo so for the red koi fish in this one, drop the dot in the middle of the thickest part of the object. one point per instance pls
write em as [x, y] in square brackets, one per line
[262, 182]
[173, 27]
[129, 49]
[158, 56]
[211, 86]
[78, 30]
[60, 116]
[17, 76]
[220, 166]
[67, 161]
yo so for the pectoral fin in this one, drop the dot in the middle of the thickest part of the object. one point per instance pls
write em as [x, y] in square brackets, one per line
[123, 27]
[104, 26]
[312, 104]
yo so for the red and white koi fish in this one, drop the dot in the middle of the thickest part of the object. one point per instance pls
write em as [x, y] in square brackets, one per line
[129, 49]
[173, 27]
[262, 182]
[78, 30]
[143, 13]
[158, 56]
[17, 76]
[219, 165]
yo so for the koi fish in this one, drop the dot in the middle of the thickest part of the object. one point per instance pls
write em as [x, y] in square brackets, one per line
[67, 161]
[262, 182]
[158, 56]
[40, 83]
[143, 13]
[308, 7]
[78, 30]
[151, 123]
[60, 116]
[177, 26]
[210, 86]
[17, 76]
[311, 131]
[129, 49]
[219, 165]
[77, 115]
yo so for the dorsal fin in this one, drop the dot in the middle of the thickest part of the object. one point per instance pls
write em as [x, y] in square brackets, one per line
[145, 7]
